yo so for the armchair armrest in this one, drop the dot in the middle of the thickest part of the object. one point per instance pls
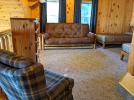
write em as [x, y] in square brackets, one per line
[92, 36]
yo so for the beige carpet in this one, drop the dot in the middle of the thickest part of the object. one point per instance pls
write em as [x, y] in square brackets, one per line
[96, 71]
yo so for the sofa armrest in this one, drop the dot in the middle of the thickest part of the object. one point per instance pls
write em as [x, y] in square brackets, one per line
[46, 36]
[90, 34]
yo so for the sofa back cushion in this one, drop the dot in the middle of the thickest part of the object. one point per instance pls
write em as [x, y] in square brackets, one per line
[63, 30]
[10, 59]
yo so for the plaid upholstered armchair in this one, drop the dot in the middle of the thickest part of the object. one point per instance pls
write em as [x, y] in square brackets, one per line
[23, 79]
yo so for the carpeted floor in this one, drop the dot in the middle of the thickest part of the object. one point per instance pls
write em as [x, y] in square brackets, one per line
[96, 71]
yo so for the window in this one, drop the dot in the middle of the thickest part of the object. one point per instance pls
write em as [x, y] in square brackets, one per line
[52, 11]
[86, 12]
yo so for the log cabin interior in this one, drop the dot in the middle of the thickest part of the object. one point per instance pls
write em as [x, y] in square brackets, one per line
[66, 50]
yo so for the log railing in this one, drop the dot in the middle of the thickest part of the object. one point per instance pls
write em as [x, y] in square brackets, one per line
[6, 44]
[6, 40]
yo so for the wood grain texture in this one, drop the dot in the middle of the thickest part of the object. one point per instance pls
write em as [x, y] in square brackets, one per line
[9, 8]
[18, 9]
[114, 16]
[6, 40]
[35, 11]
[127, 82]
[131, 58]
[69, 11]
[31, 8]
[132, 19]
[2, 95]
[23, 36]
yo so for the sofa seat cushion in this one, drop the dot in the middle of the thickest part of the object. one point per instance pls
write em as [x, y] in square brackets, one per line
[126, 47]
[12, 60]
[58, 85]
[84, 40]
[114, 38]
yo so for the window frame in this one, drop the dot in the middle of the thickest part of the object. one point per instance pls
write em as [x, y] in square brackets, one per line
[50, 16]
[88, 16]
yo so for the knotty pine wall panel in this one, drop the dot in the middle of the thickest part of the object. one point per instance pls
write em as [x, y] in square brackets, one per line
[69, 11]
[31, 8]
[35, 10]
[9, 8]
[132, 19]
[114, 16]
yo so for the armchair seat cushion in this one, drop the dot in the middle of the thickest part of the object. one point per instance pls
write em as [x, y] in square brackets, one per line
[84, 40]
[126, 47]
[58, 86]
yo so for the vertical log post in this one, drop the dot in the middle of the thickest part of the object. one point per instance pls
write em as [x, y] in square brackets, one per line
[131, 58]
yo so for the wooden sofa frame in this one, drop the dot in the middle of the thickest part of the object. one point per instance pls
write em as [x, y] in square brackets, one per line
[123, 54]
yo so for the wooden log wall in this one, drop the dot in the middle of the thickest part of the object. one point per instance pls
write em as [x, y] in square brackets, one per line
[114, 16]
[9, 8]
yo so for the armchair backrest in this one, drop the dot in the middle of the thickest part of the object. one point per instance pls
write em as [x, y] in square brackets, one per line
[26, 83]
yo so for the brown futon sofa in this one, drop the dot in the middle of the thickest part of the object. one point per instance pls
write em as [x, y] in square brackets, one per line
[62, 34]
